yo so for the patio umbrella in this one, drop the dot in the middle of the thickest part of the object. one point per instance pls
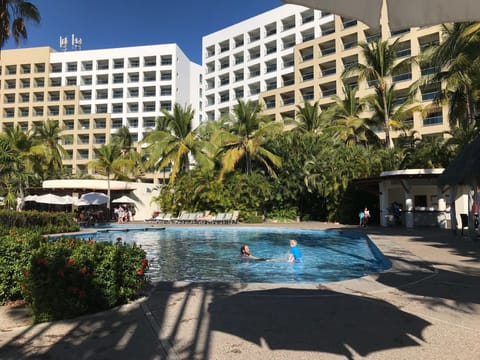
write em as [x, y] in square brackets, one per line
[95, 198]
[80, 202]
[30, 198]
[401, 14]
[124, 200]
[51, 199]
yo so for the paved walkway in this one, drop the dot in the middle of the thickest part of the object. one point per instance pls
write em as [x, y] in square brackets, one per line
[426, 307]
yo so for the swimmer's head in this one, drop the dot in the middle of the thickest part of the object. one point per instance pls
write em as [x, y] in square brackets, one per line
[244, 250]
[293, 242]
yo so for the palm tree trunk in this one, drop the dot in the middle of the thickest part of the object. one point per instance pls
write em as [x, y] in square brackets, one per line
[388, 140]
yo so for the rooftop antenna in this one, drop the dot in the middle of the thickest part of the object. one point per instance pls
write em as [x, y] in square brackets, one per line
[63, 43]
[76, 43]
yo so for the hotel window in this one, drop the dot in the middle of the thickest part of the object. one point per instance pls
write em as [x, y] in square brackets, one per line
[38, 111]
[166, 60]
[87, 65]
[24, 83]
[11, 69]
[117, 93]
[38, 97]
[116, 123]
[149, 76]
[86, 80]
[71, 81]
[23, 112]
[100, 123]
[149, 122]
[56, 68]
[101, 109]
[165, 90]
[102, 64]
[71, 66]
[99, 139]
[132, 107]
[25, 69]
[86, 95]
[118, 63]
[271, 29]
[9, 98]
[118, 78]
[148, 106]
[68, 110]
[102, 94]
[117, 108]
[24, 97]
[165, 75]
[165, 105]
[53, 111]
[133, 77]
[40, 68]
[149, 91]
[53, 95]
[150, 61]
[133, 122]
[133, 92]
[134, 62]
[84, 124]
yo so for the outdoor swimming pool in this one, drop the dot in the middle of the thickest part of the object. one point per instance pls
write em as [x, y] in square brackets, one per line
[201, 254]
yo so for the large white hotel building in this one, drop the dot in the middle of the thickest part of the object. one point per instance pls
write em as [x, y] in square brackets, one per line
[291, 54]
[95, 92]
[280, 58]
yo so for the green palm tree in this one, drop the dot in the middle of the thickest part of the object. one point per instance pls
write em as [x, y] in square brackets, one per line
[172, 142]
[133, 165]
[241, 137]
[458, 58]
[21, 165]
[399, 110]
[380, 64]
[309, 117]
[347, 123]
[13, 15]
[48, 140]
[107, 163]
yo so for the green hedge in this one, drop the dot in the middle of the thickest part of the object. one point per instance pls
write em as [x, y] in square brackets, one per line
[46, 222]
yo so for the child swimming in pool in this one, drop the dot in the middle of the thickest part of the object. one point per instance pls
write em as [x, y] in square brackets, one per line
[295, 254]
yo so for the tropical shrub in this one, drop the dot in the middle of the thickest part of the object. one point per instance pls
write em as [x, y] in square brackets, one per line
[70, 277]
[15, 254]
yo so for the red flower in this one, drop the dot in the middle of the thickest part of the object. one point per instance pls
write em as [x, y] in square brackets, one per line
[70, 262]
[42, 261]
[26, 273]
[83, 270]
[90, 242]
[144, 263]
[140, 272]
[13, 233]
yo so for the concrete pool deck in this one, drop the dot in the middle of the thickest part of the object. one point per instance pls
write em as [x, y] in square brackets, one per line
[426, 307]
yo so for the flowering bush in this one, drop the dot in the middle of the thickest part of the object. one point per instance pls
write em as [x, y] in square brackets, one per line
[15, 254]
[66, 277]
[71, 277]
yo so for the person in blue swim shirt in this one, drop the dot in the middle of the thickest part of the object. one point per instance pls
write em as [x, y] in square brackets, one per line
[295, 253]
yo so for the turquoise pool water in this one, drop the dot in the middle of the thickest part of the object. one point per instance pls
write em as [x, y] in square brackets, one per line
[204, 254]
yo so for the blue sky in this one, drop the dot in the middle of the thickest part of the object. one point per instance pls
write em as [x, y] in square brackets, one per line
[110, 23]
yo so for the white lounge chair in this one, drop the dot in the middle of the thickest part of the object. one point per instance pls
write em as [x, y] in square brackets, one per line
[235, 216]
[219, 218]
[228, 218]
